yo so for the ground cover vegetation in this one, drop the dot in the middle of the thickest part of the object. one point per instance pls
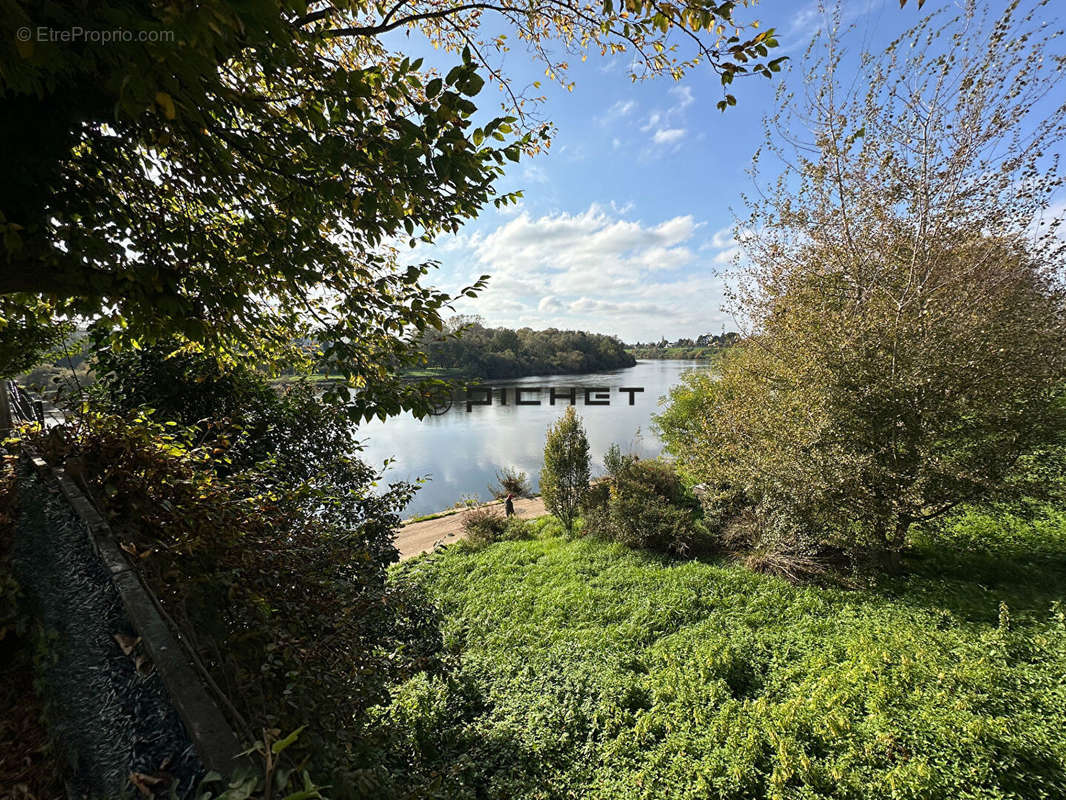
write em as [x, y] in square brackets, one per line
[590, 669]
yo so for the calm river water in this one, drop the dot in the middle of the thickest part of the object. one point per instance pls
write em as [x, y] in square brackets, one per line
[460, 451]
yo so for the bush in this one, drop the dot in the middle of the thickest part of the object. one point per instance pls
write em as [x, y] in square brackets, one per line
[511, 481]
[486, 524]
[252, 423]
[599, 494]
[643, 506]
[265, 541]
[616, 462]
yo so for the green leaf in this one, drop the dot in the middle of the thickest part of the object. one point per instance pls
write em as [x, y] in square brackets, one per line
[281, 744]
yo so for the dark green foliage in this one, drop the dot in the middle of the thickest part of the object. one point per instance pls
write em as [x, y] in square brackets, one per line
[484, 525]
[616, 462]
[27, 337]
[564, 478]
[504, 353]
[598, 495]
[591, 670]
[487, 524]
[645, 506]
[287, 430]
[264, 538]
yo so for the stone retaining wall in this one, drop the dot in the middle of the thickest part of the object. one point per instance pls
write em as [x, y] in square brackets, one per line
[114, 709]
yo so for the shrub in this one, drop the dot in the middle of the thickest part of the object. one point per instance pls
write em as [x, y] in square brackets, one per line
[615, 461]
[511, 481]
[643, 506]
[250, 422]
[598, 495]
[642, 519]
[517, 529]
[484, 525]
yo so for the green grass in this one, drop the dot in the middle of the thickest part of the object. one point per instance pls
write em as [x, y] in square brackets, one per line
[589, 670]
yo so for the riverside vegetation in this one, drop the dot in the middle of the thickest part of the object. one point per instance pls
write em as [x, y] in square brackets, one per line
[586, 668]
[848, 582]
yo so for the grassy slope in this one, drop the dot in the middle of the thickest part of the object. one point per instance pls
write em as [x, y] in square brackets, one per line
[594, 671]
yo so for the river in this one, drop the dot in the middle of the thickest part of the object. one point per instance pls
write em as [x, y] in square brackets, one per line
[460, 451]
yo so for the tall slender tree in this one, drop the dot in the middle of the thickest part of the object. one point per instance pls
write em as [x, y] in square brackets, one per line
[564, 478]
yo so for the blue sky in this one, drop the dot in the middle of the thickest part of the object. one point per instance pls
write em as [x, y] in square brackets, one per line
[625, 227]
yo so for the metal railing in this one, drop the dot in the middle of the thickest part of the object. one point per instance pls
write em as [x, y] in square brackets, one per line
[17, 406]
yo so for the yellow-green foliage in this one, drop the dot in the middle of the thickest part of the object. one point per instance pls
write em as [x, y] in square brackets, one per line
[590, 670]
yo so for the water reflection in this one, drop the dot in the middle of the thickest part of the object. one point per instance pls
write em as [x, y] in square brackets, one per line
[460, 451]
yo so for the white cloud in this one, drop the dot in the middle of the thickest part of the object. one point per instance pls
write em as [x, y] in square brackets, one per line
[684, 97]
[535, 174]
[600, 270]
[550, 303]
[668, 136]
[668, 124]
[511, 210]
[722, 238]
[727, 256]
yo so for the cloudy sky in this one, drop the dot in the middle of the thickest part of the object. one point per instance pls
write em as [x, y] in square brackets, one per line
[625, 226]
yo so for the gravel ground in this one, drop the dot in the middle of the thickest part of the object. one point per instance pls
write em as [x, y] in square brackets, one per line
[108, 718]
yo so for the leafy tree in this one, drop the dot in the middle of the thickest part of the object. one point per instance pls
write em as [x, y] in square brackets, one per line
[908, 317]
[265, 539]
[564, 478]
[503, 353]
[28, 335]
[239, 174]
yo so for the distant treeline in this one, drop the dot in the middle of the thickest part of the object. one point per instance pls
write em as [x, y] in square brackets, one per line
[504, 353]
[706, 346]
[689, 353]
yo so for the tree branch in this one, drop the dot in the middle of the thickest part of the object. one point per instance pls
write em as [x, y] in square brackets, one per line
[385, 27]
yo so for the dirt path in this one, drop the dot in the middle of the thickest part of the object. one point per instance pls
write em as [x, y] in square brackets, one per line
[416, 538]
